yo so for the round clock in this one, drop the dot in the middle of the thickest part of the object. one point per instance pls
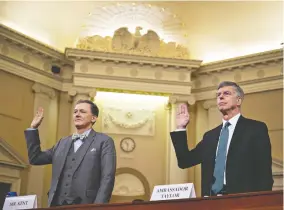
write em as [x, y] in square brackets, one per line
[127, 144]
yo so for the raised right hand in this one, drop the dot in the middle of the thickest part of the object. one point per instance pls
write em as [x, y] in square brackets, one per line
[37, 118]
[182, 118]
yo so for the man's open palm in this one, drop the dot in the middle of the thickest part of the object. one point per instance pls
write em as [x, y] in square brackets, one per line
[37, 118]
[182, 118]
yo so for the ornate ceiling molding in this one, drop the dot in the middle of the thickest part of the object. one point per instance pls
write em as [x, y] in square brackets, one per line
[29, 72]
[253, 86]
[254, 73]
[129, 86]
[33, 45]
[131, 72]
[253, 60]
[277, 79]
[133, 79]
[30, 59]
[77, 54]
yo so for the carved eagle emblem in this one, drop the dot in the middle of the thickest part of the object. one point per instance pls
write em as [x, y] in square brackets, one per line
[123, 40]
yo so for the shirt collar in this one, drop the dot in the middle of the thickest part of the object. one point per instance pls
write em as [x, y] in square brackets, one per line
[87, 132]
[233, 121]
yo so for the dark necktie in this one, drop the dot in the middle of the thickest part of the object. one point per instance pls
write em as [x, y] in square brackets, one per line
[220, 160]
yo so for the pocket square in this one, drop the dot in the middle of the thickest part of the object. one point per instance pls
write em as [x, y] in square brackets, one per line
[93, 149]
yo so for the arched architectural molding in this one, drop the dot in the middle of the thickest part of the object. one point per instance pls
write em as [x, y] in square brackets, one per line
[130, 194]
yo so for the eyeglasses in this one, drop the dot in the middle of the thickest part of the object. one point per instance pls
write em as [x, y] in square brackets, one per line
[225, 94]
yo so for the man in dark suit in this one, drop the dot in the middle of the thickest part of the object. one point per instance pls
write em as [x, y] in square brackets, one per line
[235, 157]
[83, 164]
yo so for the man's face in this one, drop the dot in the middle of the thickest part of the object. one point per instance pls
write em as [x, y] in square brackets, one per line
[227, 99]
[83, 116]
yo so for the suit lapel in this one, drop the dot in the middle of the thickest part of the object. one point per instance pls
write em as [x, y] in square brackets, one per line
[238, 132]
[84, 148]
[214, 139]
[65, 151]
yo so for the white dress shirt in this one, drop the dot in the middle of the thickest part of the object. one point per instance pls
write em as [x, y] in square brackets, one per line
[233, 122]
[78, 143]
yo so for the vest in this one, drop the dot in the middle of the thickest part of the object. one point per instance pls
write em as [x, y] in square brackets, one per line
[65, 194]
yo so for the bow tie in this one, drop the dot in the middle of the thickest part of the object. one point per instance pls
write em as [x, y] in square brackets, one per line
[76, 136]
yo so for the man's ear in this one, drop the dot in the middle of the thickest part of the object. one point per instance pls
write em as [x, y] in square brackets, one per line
[94, 118]
[239, 101]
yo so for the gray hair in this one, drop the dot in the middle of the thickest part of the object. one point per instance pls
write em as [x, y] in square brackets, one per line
[238, 89]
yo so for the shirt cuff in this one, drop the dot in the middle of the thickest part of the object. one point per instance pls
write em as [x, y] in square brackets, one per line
[31, 129]
[180, 129]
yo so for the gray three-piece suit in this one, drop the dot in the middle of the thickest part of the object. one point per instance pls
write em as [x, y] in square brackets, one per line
[81, 177]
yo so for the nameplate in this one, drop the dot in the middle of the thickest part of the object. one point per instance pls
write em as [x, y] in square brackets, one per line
[20, 202]
[173, 191]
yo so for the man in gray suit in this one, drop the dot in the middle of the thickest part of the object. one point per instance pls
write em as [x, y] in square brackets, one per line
[83, 164]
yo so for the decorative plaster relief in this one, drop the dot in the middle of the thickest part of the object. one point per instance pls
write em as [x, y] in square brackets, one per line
[238, 76]
[84, 68]
[128, 121]
[30, 45]
[190, 99]
[182, 76]
[209, 104]
[215, 80]
[158, 74]
[134, 72]
[46, 66]
[123, 41]
[38, 88]
[75, 54]
[260, 73]
[128, 185]
[250, 74]
[75, 92]
[109, 70]
[197, 83]
[26, 58]
[244, 70]
[248, 61]
[5, 50]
